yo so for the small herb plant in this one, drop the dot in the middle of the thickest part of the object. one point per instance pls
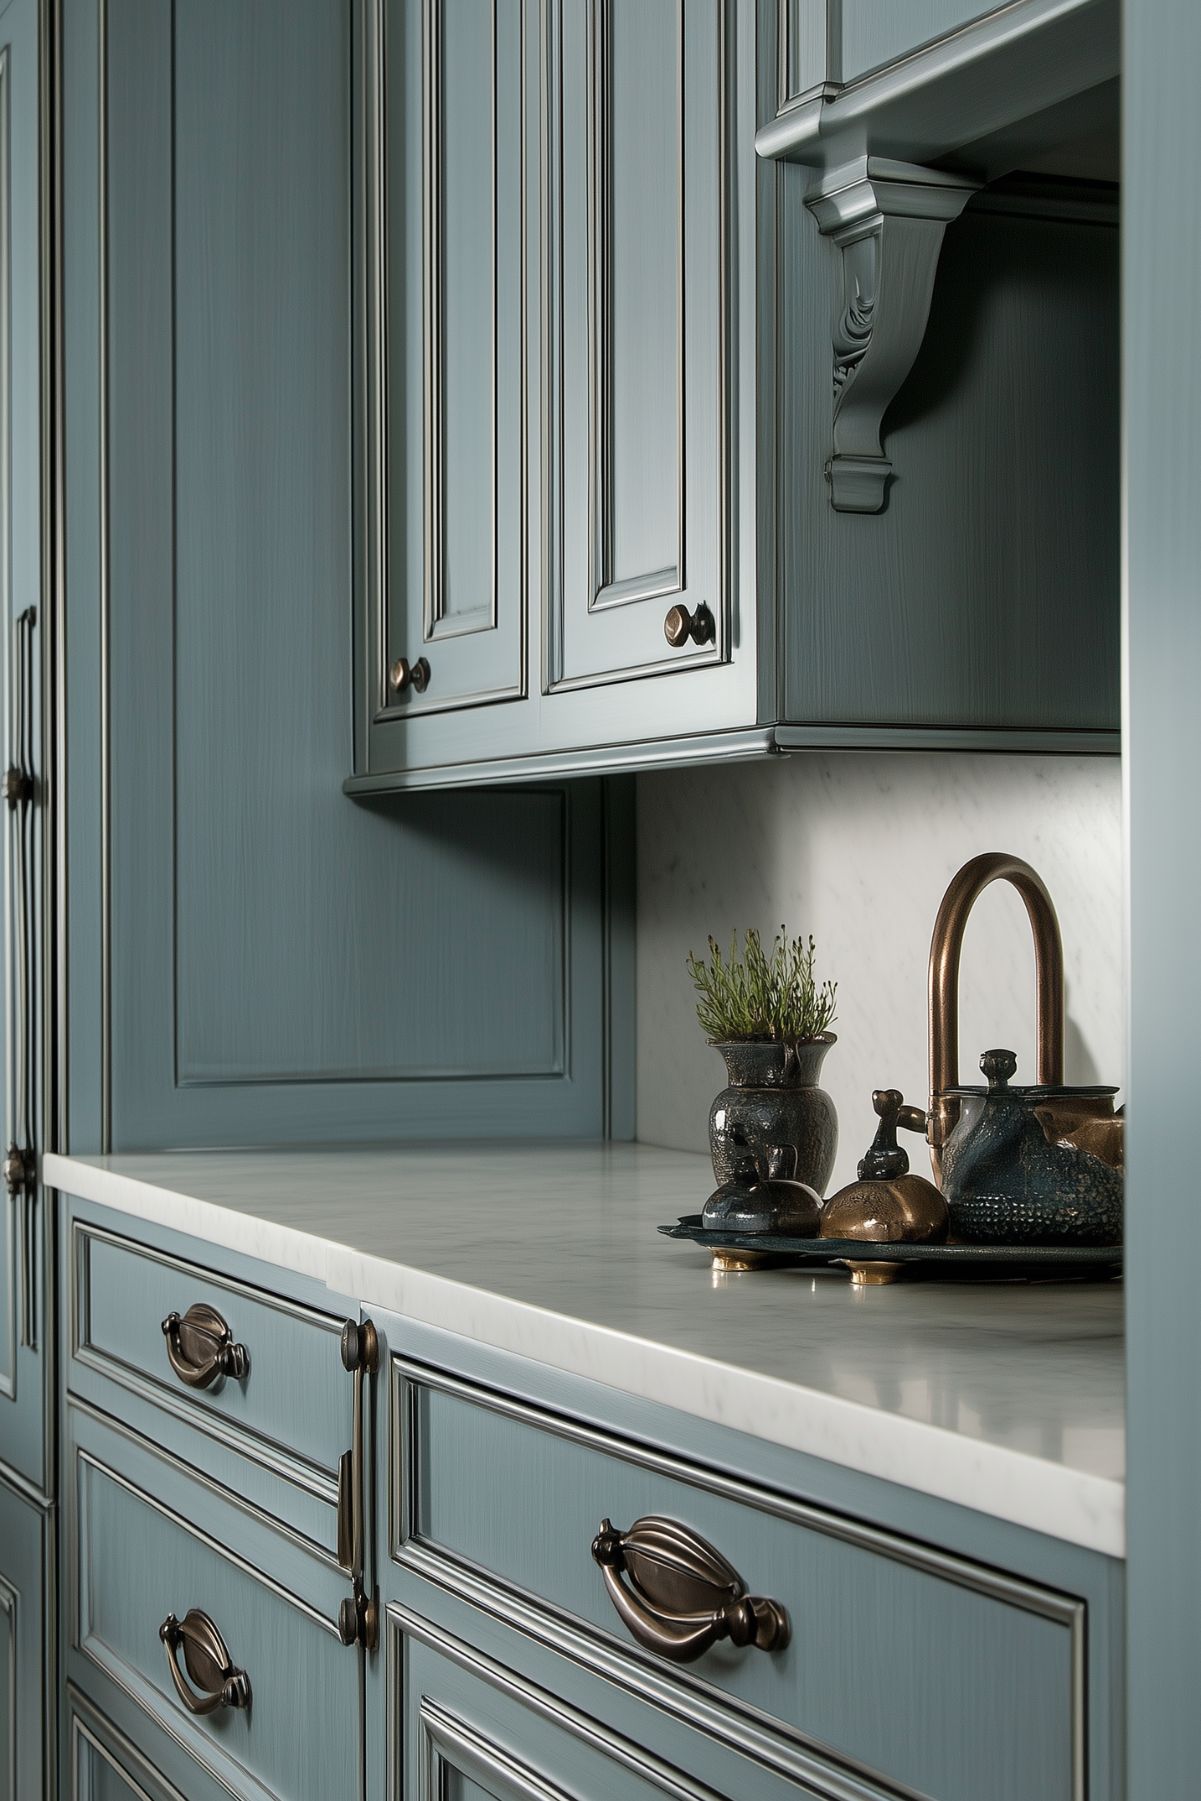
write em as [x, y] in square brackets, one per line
[762, 994]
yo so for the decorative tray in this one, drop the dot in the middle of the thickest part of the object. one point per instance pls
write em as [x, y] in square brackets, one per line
[874, 1263]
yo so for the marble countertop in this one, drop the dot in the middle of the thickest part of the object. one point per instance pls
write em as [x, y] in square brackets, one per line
[1007, 1399]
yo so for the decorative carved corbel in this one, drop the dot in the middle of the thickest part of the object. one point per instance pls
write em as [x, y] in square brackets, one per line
[887, 220]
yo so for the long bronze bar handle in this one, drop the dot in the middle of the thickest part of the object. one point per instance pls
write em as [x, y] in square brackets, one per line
[358, 1616]
[19, 792]
[680, 1596]
[201, 1348]
[945, 949]
[207, 1663]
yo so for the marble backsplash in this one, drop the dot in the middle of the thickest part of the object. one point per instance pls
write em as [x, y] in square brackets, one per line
[857, 849]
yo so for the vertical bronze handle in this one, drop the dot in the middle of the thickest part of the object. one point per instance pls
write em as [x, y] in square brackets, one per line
[680, 1595]
[20, 791]
[201, 1348]
[207, 1662]
[358, 1616]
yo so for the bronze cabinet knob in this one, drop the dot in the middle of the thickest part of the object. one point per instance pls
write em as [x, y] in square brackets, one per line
[404, 674]
[678, 1596]
[683, 627]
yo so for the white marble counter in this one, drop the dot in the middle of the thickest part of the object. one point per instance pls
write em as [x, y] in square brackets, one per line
[1006, 1399]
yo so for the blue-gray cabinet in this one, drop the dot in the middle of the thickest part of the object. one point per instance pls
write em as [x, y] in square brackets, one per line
[452, 1621]
[253, 958]
[692, 522]
[26, 1724]
[24, 1288]
[905, 1668]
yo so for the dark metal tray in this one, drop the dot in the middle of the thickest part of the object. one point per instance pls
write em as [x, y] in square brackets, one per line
[993, 1262]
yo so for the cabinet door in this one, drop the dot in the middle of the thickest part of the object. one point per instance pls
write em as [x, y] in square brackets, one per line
[637, 372]
[22, 1325]
[22, 1676]
[457, 102]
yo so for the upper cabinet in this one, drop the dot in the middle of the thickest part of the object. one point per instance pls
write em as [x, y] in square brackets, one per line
[707, 405]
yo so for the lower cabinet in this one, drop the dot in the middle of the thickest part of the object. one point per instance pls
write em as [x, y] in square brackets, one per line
[192, 1614]
[23, 1675]
[470, 1729]
[519, 1586]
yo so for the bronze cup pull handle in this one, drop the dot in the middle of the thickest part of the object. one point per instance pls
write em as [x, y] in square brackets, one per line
[201, 1348]
[679, 1596]
[207, 1663]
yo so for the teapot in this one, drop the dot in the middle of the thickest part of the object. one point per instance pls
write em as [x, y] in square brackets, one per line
[1034, 1165]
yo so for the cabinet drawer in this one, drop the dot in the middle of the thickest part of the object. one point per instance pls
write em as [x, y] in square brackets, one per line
[291, 1406]
[467, 1726]
[148, 1542]
[916, 1668]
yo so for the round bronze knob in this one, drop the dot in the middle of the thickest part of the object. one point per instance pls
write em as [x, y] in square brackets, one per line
[404, 674]
[682, 626]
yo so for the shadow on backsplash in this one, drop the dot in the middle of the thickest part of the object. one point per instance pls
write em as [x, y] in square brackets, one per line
[858, 849]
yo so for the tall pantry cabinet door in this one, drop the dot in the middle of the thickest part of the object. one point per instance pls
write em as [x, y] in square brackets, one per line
[22, 1265]
[456, 106]
[23, 1714]
[636, 365]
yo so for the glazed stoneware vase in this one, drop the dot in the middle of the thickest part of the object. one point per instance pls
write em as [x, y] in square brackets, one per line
[774, 1102]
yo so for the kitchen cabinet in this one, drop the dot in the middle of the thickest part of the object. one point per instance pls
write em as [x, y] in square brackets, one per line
[24, 1288]
[698, 526]
[24, 1670]
[462, 1602]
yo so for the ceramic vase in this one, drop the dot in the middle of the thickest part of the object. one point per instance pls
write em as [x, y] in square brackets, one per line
[773, 1101]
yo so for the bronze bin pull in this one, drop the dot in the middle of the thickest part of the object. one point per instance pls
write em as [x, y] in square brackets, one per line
[945, 949]
[201, 1348]
[680, 1596]
[207, 1662]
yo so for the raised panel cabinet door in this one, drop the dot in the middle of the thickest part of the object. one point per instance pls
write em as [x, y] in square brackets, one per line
[22, 1268]
[22, 1672]
[636, 367]
[456, 104]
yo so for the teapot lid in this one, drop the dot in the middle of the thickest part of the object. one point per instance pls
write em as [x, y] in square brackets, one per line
[1000, 1066]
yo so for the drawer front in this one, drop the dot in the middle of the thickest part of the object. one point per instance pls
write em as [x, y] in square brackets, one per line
[915, 1668]
[102, 1764]
[290, 1408]
[466, 1727]
[148, 1541]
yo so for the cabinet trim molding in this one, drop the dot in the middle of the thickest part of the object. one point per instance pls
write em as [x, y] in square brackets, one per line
[403, 1623]
[887, 220]
[684, 1693]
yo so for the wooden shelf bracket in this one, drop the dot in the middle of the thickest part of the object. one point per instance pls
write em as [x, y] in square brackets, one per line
[887, 220]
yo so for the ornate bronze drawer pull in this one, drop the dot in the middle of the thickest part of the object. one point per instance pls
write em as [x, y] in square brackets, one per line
[201, 1348]
[206, 1661]
[681, 1595]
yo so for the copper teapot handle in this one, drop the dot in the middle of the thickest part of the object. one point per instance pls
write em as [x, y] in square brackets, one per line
[945, 949]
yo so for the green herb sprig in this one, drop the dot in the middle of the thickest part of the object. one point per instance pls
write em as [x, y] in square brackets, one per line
[762, 994]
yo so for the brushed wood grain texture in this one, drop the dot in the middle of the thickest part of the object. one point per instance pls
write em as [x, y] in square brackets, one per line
[986, 593]
[22, 1627]
[875, 32]
[638, 496]
[24, 1324]
[286, 965]
[147, 1540]
[857, 1615]
[1161, 355]
[459, 125]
